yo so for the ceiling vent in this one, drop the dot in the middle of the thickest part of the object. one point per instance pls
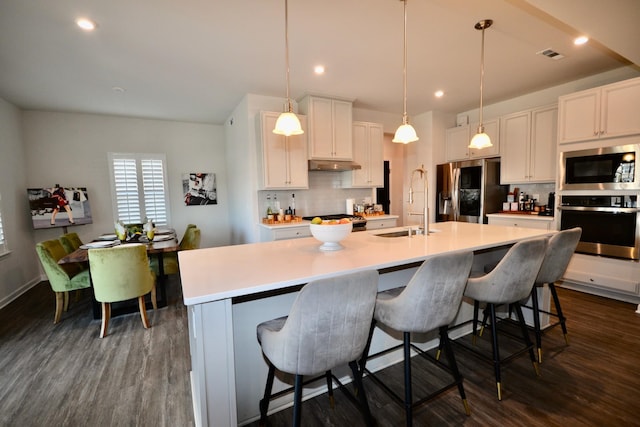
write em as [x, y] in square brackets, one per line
[550, 53]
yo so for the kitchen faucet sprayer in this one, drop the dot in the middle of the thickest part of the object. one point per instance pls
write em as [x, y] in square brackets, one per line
[425, 216]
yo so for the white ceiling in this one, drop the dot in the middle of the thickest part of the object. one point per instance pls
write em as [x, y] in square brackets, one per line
[193, 60]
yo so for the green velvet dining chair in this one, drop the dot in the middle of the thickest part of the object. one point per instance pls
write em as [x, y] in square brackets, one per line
[62, 278]
[71, 242]
[190, 240]
[118, 274]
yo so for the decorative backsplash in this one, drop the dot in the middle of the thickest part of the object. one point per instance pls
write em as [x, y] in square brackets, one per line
[324, 196]
[542, 190]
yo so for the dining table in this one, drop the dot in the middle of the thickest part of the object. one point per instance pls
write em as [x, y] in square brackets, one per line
[161, 244]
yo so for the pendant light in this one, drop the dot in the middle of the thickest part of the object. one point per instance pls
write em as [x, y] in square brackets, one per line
[287, 123]
[481, 139]
[405, 132]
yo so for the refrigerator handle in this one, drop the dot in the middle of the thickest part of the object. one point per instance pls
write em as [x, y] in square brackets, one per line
[455, 193]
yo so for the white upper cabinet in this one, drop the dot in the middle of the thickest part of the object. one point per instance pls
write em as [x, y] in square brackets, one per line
[368, 140]
[457, 143]
[529, 146]
[604, 112]
[458, 139]
[330, 127]
[284, 159]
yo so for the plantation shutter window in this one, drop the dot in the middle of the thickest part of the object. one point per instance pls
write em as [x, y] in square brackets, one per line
[139, 189]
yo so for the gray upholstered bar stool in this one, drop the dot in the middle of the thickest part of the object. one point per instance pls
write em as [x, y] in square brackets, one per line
[507, 284]
[327, 326]
[429, 302]
[560, 248]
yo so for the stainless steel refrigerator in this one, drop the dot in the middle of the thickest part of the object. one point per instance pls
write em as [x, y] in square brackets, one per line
[467, 191]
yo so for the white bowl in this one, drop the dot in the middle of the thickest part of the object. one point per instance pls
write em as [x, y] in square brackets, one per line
[330, 234]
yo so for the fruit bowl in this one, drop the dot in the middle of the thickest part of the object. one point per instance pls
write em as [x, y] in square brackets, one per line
[330, 234]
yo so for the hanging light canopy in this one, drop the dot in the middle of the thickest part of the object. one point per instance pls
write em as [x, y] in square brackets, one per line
[405, 132]
[481, 139]
[288, 123]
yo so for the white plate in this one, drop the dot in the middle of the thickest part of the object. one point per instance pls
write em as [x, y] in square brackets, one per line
[162, 238]
[107, 237]
[164, 231]
[100, 244]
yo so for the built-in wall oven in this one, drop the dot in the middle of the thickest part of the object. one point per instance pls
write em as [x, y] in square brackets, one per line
[604, 168]
[610, 224]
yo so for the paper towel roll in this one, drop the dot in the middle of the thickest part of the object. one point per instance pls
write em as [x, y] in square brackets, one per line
[350, 203]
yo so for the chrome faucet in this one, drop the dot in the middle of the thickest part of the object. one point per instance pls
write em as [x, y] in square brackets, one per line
[425, 211]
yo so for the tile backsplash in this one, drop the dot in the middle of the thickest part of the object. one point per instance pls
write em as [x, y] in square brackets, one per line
[542, 190]
[324, 196]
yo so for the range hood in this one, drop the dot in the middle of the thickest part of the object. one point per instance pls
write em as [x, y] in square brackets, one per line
[333, 165]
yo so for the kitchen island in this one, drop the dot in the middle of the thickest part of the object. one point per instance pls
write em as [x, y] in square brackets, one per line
[229, 290]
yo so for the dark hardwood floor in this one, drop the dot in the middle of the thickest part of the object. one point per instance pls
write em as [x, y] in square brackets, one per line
[64, 375]
[594, 381]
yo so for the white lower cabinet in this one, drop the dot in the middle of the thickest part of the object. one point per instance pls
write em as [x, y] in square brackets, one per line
[378, 223]
[271, 234]
[604, 276]
[517, 220]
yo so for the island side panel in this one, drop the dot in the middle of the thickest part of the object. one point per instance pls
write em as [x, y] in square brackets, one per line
[212, 364]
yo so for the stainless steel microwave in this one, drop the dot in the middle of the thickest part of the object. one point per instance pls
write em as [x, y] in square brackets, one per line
[605, 168]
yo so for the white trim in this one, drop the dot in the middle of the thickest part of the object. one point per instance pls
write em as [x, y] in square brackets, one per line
[4, 250]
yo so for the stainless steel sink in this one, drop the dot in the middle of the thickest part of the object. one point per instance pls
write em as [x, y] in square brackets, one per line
[402, 233]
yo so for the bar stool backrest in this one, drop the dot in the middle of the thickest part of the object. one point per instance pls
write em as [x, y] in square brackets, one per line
[514, 276]
[327, 326]
[560, 248]
[432, 297]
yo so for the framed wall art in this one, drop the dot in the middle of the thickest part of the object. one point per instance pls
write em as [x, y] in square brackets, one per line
[58, 206]
[199, 188]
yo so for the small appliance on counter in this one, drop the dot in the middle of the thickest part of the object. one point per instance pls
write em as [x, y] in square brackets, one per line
[551, 202]
[350, 206]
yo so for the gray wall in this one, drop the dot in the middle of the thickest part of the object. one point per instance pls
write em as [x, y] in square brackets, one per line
[19, 268]
[39, 149]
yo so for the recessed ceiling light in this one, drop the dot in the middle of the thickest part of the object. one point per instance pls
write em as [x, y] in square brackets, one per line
[318, 69]
[439, 94]
[581, 40]
[86, 24]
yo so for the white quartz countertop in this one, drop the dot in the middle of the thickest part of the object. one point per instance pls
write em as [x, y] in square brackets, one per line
[535, 216]
[218, 273]
[305, 223]
[381, 217]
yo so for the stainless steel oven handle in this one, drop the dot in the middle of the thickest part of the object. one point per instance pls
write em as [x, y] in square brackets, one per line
[598, 209]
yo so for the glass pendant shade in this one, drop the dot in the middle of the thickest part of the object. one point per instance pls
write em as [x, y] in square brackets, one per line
[288, 124]
[405, 134]
[480, 140]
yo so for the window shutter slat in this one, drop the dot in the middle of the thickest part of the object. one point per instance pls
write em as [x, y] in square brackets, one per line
[140, 188]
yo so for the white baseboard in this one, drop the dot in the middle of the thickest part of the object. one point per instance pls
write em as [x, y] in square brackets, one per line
[21, 290]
